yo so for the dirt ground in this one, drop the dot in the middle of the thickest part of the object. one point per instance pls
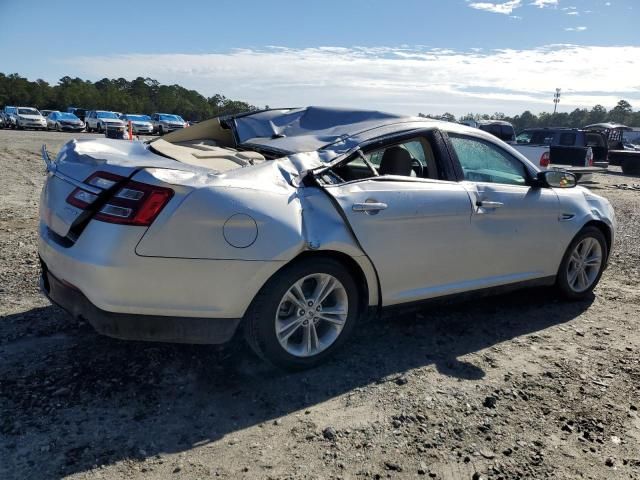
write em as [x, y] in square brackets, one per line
[517, 386]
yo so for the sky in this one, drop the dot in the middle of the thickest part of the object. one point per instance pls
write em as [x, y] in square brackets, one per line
[403, 56]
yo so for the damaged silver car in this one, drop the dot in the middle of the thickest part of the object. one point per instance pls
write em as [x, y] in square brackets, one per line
[290, 224]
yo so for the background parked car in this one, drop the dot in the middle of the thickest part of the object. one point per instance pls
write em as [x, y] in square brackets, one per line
[98, 120]
[29, 117]
[9, 116]
[621, 152]
[166, 122]
[563, 147]
[45, 113]
[140, 124]
[64, 121]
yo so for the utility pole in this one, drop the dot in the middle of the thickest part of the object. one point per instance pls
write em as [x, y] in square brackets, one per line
[556, 100]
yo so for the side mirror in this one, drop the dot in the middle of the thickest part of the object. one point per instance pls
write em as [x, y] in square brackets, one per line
[557, 179]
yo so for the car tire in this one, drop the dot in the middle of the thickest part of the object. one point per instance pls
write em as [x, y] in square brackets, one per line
[160, 131]
[58, 129]
[99, 128]
[582, 264]
[271, 308]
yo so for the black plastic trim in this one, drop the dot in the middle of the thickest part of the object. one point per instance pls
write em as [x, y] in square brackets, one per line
[124, 326]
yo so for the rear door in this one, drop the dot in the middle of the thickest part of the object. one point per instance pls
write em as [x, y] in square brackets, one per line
[516, 227]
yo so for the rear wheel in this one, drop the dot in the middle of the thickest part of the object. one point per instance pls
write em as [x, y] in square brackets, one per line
[582, 264]
[58, 129]
[303, 314]
[160, 130]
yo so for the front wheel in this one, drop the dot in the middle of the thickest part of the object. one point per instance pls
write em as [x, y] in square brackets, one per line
[303, 314]
[582, 264]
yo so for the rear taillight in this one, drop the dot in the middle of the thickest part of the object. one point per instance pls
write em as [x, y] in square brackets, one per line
[545, 159]
[103, 180]
[135, 203]
[132, 203]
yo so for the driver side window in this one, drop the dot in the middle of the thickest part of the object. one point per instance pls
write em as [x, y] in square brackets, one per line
[482, 161]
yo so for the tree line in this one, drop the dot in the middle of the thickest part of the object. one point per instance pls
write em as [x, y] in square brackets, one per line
[622, 113]
[142, 95]
[146, 95]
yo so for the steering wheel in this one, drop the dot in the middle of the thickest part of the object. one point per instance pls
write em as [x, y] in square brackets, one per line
[417, 167]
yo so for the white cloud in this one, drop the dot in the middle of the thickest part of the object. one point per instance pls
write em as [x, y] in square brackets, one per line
[544, 3]
[404, 80]
[505, 8]
[575, 29]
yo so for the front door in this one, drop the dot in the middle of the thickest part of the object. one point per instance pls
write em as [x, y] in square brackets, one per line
[517, 226]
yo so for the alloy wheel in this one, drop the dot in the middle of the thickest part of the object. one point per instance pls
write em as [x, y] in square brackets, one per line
[311, 315]
[584, 264]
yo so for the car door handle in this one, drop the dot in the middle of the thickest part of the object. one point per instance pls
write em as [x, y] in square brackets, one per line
[488, 204]
[369, 207]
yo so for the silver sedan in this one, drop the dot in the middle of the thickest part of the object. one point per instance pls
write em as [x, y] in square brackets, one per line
[291, 224]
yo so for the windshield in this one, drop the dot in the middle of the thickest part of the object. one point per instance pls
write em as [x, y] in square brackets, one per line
[632, 137]
[138, 118]
[10, 109]
[106, 115]
[67, 116]
[28, 111]
[171, 118]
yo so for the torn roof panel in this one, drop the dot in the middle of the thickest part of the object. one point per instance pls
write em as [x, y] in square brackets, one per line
[311, 128]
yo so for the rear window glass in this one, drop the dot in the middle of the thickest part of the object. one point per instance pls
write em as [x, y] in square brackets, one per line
[542, 138]
[567, 139]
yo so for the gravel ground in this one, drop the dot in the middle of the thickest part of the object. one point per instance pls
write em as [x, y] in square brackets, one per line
[516, 386]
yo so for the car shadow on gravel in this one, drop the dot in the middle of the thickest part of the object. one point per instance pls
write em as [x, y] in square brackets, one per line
[79, 400]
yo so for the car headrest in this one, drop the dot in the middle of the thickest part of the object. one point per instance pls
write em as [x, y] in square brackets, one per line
[395, 161]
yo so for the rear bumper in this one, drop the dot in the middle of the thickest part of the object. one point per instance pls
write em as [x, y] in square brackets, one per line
[103, 266]
[137, 327]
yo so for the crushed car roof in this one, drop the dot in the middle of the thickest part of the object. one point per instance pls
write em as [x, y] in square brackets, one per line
[312, 128]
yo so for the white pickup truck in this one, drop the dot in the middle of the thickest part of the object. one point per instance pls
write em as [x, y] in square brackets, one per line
[580, 151]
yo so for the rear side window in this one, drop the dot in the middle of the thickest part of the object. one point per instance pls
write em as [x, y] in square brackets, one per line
[567, 139]
[482, 161]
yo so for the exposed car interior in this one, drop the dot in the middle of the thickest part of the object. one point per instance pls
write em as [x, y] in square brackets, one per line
[410, 158]
[207, 144]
